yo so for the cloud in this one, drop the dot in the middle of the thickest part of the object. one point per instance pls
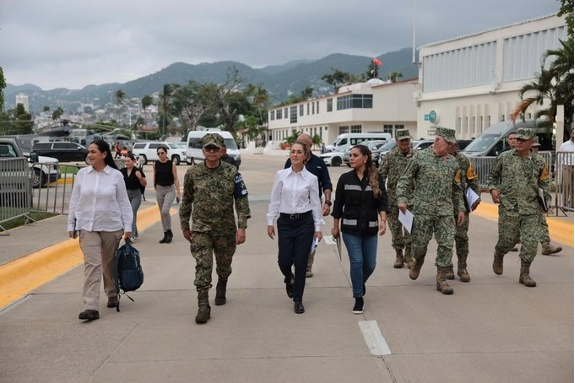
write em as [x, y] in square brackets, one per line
[58, 43]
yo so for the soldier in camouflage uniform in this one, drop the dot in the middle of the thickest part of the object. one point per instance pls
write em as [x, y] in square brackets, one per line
[513, 183]
[434, 175]
[210, 190]
[392, 166]
[468, 179]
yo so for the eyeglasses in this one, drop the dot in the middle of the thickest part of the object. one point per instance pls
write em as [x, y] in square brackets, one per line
[161, 153]
[211, 148]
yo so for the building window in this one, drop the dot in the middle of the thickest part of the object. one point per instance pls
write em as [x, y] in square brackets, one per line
[279, 114]
[330, 104]
[307, 108]
[272, 115]
[313, 108]
[293, 115]
[286, 115]
[317, 107]
[301, 110]
[355, 129]
[356, 101]
[343, 129]
[400, 126]
[388, 129]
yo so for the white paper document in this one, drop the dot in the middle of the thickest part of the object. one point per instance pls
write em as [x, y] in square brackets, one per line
[471, 197]
[314, 245]
[406, 219]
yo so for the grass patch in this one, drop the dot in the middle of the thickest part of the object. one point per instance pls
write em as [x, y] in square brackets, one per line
[67, 169]
[21, 221]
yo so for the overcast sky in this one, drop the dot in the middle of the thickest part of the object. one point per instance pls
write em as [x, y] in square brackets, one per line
[71, 44]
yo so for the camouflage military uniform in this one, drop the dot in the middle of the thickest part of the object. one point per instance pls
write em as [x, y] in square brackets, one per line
[436, 190]
[392, 166]
[518, 179]
[468, 178]
[208, 199]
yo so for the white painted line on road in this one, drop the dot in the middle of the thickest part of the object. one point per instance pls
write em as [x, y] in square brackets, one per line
[373, 338]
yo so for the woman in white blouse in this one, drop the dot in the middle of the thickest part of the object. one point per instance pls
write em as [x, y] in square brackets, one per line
[101, 213]
[295, 199]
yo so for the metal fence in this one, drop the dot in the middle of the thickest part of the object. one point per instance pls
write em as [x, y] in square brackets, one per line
[15, 188]
[560, 166]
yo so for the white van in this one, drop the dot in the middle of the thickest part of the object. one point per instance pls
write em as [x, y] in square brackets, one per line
[350, 139]
[494, 139]
[194, 152]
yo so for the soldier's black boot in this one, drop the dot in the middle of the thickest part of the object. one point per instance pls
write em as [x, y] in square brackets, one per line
[204, 308]
[221, 292]
[163, 240]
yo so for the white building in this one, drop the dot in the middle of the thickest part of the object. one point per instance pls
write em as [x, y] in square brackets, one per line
[22, 98]
[471, 82]
[373, 106]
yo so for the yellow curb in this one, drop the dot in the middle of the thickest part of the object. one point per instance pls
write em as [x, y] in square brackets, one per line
[560, 230]
[21, 276]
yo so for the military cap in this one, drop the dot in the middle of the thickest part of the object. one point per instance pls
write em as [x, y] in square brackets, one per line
[536, 142]
[448, 134]
[525, 133]
[402, 134]
[212, 139]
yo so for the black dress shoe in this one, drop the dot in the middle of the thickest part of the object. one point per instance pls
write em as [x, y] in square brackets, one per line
[89, 315]
[112, 301]
[298, 308]
[289, 287]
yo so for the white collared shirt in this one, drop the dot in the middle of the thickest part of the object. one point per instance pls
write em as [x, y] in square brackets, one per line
[293, 193]
[99, 201]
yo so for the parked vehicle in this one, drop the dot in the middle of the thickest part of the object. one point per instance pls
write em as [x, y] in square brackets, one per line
[462, 144]
[372, 145]
[44, 169]
[350, 139]
[194, 151]
[148, 151]
[332, 158]
[62, 151]
[494, 139]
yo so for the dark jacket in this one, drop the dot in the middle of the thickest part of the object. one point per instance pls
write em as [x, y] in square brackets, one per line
[356, 206]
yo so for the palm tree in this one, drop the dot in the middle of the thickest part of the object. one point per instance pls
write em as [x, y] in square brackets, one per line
[165, 101]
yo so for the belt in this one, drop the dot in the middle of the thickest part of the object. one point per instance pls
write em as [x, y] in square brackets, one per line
[295, 215]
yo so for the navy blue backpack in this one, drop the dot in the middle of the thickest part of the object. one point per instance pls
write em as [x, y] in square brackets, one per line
[129, 275]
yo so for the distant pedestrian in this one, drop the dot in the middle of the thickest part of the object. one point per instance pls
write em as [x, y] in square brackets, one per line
[513, 184]
[434, 176]
[295, 199]
[211, 189]
[361, 208]
[101, 212]
[167, 188]
[317, 167]
[117, 150]
[227, 158]
[136, 182]
[392, 166]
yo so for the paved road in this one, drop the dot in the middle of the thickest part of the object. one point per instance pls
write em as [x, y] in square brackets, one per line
[491, 330]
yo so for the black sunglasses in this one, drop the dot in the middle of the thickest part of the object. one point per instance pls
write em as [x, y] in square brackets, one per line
[211, 148]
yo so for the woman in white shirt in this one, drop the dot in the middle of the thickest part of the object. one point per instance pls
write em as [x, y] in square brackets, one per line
[101, 213]
[295, 199]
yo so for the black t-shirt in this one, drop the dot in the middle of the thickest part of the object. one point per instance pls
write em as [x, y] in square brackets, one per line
[164, 175]
[132, 182]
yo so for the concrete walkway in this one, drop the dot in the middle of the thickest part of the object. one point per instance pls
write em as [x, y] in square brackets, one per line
[492, 329]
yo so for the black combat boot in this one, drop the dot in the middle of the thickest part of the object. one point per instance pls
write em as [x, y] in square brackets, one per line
[221, 292]
[169, 236]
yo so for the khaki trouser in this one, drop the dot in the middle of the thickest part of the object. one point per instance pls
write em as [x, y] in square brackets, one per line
[99, 248]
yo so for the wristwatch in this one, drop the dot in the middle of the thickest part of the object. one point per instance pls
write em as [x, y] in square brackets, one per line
[327, 202]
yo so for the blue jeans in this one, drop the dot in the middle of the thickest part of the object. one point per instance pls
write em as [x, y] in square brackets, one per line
[362, 252]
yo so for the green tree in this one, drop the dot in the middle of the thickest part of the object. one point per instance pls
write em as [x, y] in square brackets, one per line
[57, 113]
[2, 86]
[337, 79]
[393, 76]
[165, 104]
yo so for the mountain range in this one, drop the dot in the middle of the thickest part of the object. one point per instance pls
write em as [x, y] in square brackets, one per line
[280, 81]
